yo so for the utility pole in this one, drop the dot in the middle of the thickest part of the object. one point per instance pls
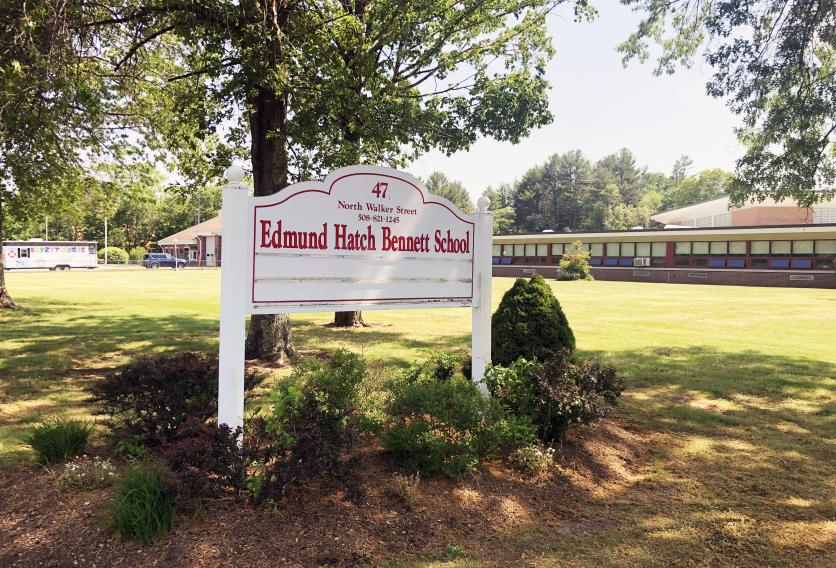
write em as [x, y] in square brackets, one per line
[46, 228]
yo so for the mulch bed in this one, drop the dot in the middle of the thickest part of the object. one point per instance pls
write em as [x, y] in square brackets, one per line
[316, 525]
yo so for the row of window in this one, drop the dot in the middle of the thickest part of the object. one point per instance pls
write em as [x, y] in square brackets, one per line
[705, 248]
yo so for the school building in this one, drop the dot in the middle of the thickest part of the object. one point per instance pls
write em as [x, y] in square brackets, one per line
[758, 244]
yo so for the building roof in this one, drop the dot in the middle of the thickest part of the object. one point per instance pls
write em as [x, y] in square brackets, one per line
[187, 236]
[720, 206]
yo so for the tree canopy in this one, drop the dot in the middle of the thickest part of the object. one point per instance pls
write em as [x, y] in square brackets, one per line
[774, 61]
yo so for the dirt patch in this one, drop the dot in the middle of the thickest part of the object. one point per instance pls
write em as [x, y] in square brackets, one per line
[316, 525]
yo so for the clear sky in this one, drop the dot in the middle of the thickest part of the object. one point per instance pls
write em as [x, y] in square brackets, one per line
[600, 107]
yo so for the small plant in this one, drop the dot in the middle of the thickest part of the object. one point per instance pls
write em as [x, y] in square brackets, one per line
[136, 253]
[56, 440]
[406, 487]
[312, 426]
[86, 472]
[556, 393]
[574, 265]
[533, 459]
[131, 449]
[529, 323]
[206, 460]
[446, 426]
[142, 505]
[151, 398]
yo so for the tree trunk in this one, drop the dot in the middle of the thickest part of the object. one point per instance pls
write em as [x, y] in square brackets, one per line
[349, 319]
[269, 334]
[352, 136]
[5, 299]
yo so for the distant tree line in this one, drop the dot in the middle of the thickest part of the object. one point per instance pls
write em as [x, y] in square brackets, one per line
[570, 193]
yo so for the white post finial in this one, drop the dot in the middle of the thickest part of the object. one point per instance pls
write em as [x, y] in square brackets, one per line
[483, 203]
[235, 174]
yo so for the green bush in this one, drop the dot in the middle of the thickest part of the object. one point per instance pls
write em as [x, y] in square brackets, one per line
[529, 323]
[56, 440]
[574, 265]
[312, 425]
[446, 426]
[556, 392]
[115, 255]
[136, 253]
[142, 505]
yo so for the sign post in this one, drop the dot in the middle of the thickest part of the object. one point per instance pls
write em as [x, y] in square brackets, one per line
[367, 238]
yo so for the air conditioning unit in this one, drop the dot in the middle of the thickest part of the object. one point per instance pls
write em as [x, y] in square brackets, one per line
[642, 261]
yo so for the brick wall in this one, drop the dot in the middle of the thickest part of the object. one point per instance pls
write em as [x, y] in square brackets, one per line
[785, 278]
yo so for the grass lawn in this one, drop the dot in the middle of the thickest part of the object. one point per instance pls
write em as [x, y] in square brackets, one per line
[733, 388]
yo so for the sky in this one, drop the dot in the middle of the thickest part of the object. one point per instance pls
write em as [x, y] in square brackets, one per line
[600, 107]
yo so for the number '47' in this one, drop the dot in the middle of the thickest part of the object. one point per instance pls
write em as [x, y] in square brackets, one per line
[380, 189]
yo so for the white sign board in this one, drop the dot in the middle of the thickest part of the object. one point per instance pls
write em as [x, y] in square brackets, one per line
[366, 238]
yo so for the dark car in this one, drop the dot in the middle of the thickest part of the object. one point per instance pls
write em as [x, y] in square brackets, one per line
[160, 259]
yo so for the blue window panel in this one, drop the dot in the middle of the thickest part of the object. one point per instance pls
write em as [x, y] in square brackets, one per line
[715, 262]
[506, 260]
[736, 263]
[625, 262]
[779, 263]
[610, 261]
[495, 260]
[802, 263]
[595, 261]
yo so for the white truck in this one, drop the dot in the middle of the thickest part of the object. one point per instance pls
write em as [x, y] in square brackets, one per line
[54, 255]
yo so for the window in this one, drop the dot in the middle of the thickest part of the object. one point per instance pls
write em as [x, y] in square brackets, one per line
[658, 261]
[584, 247]
[683, 248]
[801, 263]
[496, 250]
[542, 250]
[507, 250]
[642, 249]
[699, 262]
[718, 247]
[760, 247]
[699, 248]
[659, 249]
[800, 248]
[557, 249]
[612, 249]
[759, 263]
[628, 249]
[717, 262]
[779, 263]
[737, 247]
[681, 261]
[23, 253]
[597, 249]
[736, 263]
[519, 250]
[531, 250]
[781, 247]
[825, 247]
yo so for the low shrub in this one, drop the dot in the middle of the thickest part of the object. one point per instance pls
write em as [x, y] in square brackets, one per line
[406, 487]
[446, 426]
[532, 459]
[131, 449]
[310, 429]
[556, 392]
[574, 264]
[86, 472]
[136, 253]
[56, 440]
[142, 505]
[206, 460]
[529, 322]
[115, 255]
[151, 398]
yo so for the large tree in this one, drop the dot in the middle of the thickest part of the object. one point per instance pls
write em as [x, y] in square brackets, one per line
[56, 100]
[451, 190]
[319, 84]
[774, 61]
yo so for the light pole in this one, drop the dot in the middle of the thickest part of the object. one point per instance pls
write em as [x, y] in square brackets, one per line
[105, 241]
[176, 260]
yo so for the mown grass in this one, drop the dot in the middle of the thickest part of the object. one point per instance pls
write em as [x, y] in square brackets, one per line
[735, 389]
